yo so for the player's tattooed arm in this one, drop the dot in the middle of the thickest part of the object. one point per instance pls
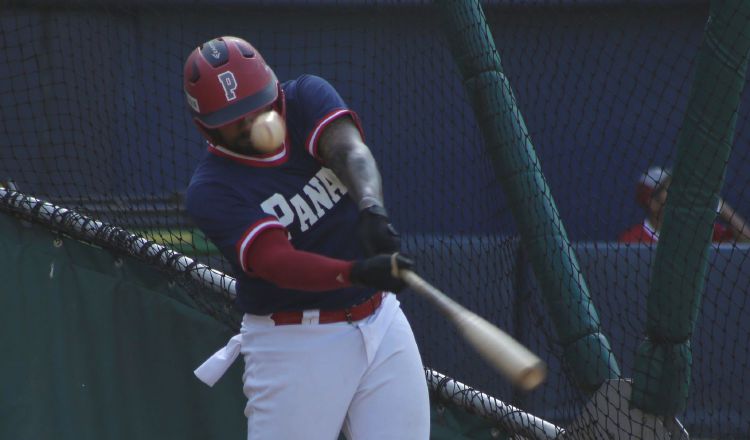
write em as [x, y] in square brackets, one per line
[343, 151]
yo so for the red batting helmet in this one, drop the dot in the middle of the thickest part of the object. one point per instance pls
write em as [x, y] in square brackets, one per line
[226, 79]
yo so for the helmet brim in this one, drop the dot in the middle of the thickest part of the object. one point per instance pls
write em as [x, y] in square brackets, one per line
[241, 108]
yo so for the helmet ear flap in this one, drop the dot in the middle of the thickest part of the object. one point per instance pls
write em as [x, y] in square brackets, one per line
[211, 135]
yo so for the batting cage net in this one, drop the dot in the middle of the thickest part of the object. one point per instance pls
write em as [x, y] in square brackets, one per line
[526, 149]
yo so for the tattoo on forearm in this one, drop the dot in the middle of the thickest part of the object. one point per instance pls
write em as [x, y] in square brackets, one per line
[355, 166]
[344, 152]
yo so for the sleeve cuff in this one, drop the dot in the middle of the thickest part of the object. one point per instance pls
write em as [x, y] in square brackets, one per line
[312, 141]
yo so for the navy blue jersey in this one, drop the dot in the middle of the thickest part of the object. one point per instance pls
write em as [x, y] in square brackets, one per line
[233, 198]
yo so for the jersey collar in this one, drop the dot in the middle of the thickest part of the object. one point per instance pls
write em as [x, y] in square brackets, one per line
[273, 159]
[268, 160]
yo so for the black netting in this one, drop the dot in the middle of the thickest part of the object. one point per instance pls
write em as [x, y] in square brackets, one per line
[93, 118]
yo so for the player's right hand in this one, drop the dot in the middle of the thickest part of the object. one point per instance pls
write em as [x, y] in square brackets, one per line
[381, 272]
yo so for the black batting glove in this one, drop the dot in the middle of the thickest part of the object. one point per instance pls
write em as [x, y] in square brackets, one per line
[381, 272]
[376, 233]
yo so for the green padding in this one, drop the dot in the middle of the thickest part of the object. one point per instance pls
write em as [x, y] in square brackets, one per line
[465, 24]
[529, 197]
[100, 347]
[663, 370]
[91, 350]
[704, 145]
[703, 148]
[585, 355]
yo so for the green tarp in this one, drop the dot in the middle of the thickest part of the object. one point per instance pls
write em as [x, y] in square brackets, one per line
[96, 347]
[99, 346]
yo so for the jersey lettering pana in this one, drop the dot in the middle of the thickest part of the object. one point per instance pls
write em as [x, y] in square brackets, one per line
[233, 198]
[317, 197]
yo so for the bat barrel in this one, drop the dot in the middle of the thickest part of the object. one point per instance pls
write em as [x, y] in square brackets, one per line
[533, 376]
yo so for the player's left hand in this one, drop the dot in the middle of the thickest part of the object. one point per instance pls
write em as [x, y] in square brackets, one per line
[376, 233]
[381, 272]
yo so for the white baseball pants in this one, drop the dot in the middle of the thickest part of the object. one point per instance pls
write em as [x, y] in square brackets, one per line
[313, 381]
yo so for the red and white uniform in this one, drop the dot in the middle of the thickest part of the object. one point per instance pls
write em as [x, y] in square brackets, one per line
[321, 356]
[646, 233]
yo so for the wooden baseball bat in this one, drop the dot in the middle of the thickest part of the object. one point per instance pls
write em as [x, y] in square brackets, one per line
[514, 361]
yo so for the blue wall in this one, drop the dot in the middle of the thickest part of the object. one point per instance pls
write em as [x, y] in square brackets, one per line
[92, 98]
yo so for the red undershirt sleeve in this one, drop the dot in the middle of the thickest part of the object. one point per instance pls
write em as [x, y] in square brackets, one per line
[273, 258]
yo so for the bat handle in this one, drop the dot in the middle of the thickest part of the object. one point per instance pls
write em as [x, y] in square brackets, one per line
[503, 352]
[445, 304]
[410, 278]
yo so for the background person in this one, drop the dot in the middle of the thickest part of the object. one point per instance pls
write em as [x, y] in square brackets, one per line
[651, 195]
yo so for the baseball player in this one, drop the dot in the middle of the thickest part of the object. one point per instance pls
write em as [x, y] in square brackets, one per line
[651, 194]
[326, 346]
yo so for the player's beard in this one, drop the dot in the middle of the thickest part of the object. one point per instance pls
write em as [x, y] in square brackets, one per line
[242, 145]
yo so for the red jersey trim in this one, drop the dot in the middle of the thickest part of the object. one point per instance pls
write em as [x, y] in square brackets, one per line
[250, 235]
[314, 137]
[267, 160]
